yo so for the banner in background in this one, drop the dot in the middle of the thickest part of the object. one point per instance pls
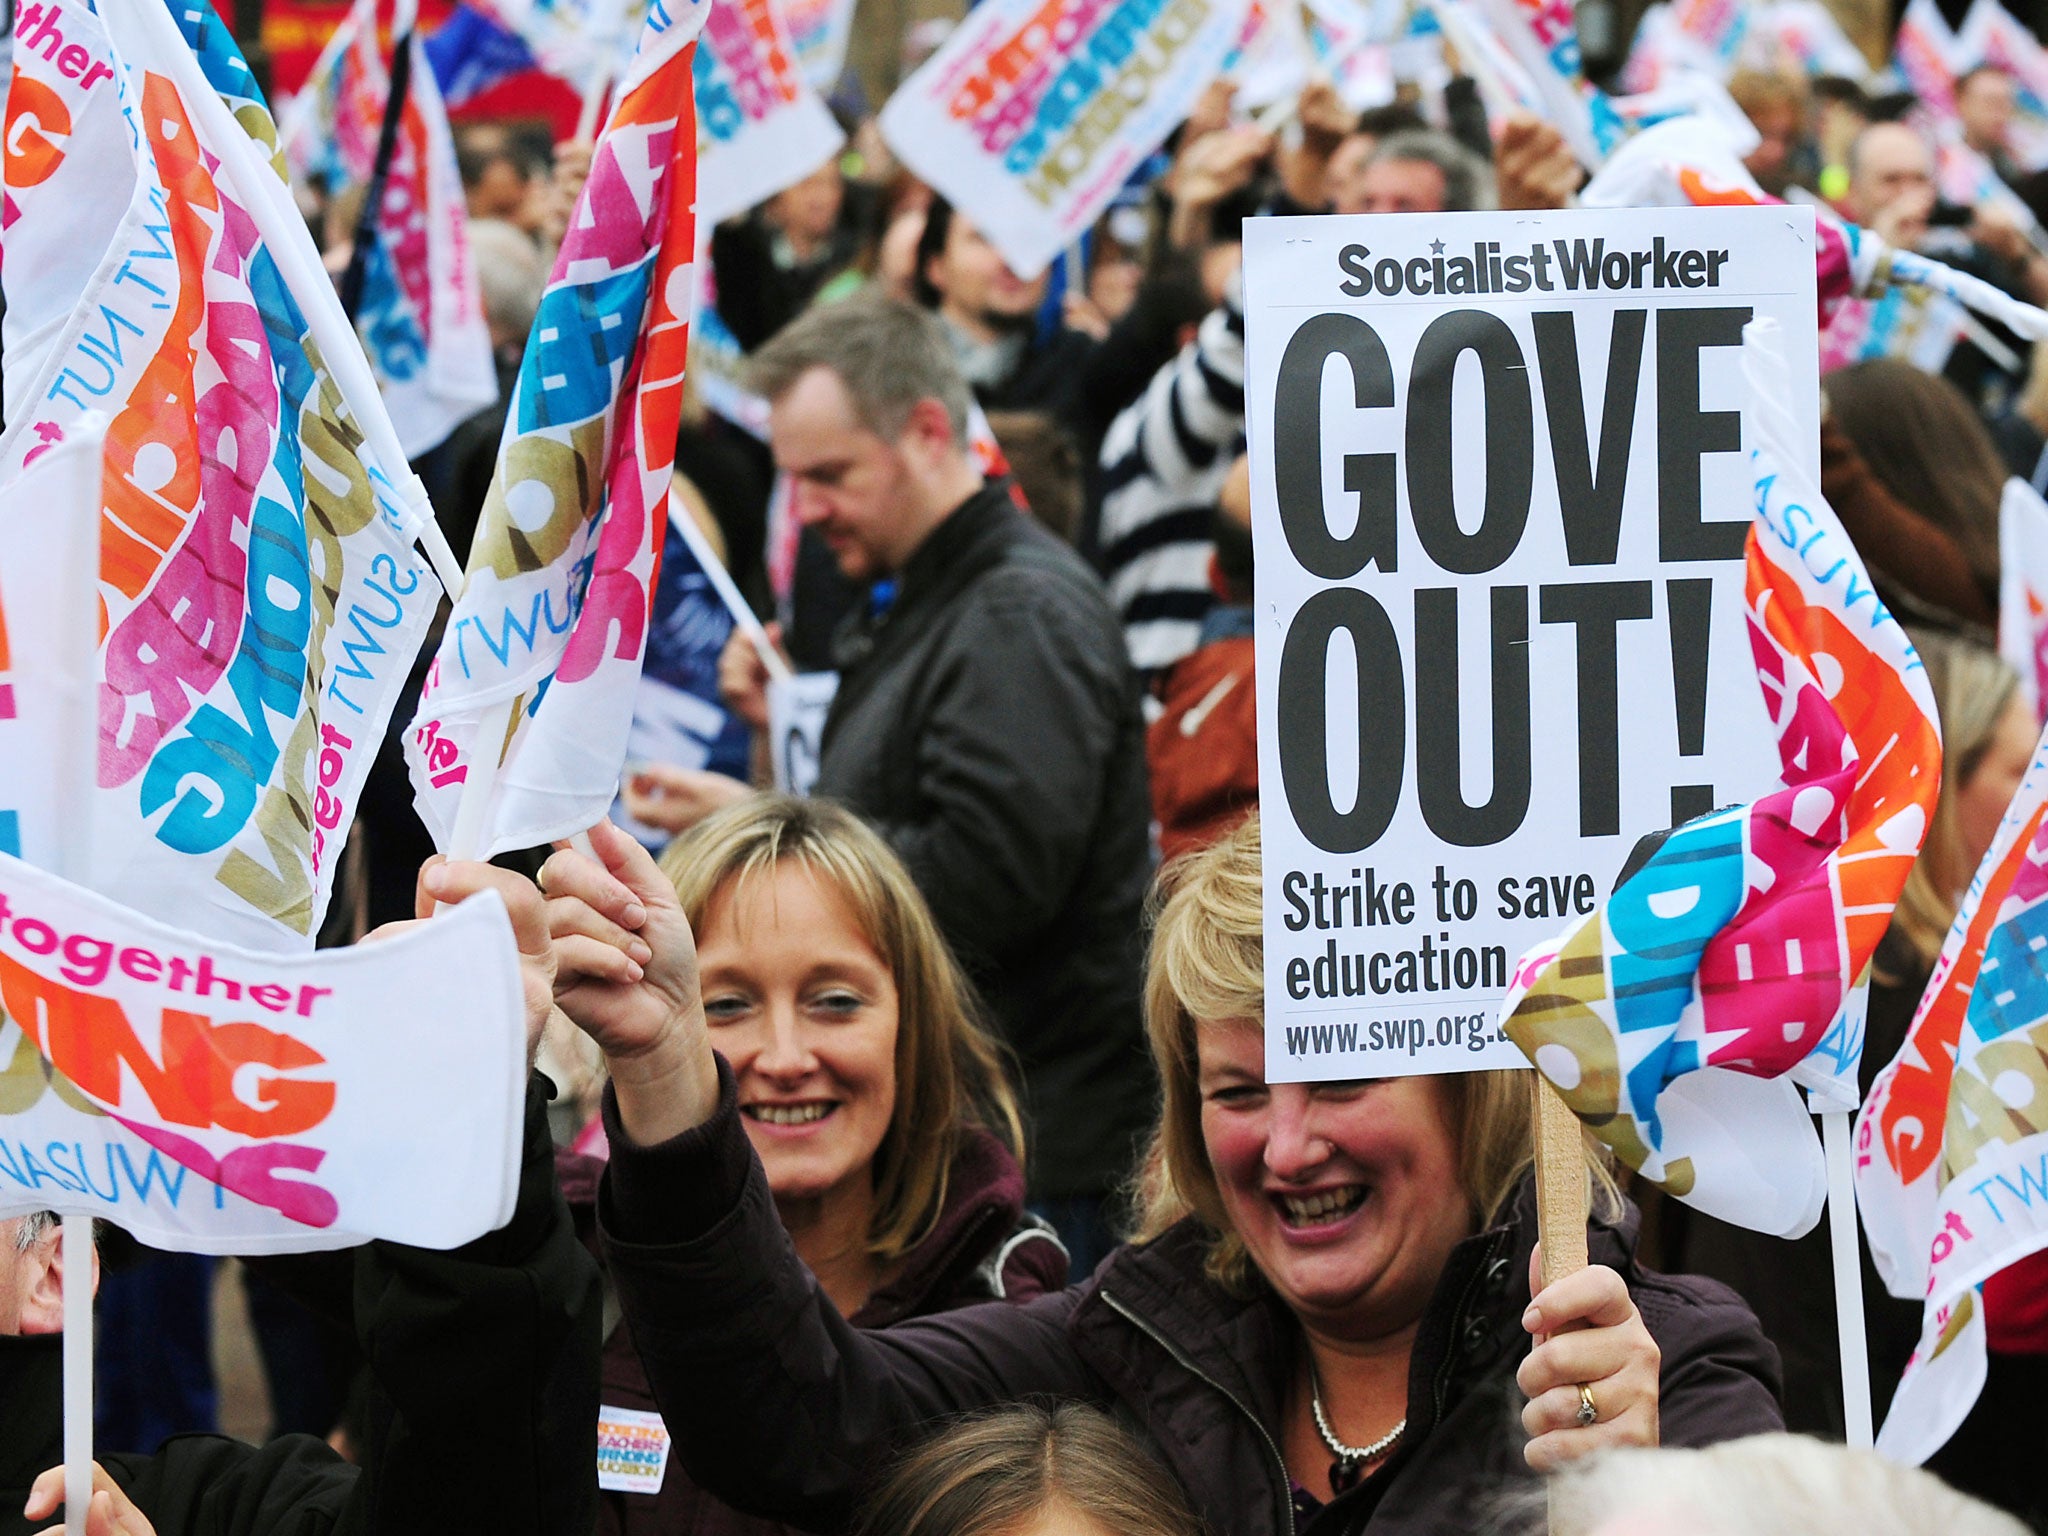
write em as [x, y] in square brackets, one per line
[820, 30]
[1924, 51]
[212, 1099]
[540, 663]
[760, 125]
[1035, 112]
[263, 600]
[1498, 500]
[1734, 963]
[1271, 59]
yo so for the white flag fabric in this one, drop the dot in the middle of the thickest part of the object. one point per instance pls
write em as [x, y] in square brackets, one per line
[820, 31]
[760, 125]
[522, 727]
[214, 1099]
[1951, 1150]
[2023, 589]
[263, 599]
[1031, 118]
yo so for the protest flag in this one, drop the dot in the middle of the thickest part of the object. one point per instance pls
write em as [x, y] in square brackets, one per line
[1950, 1142]
[523, 723]
[1729, 966]
[820, 30]
[1032, 117]
[262, 604]
[418, 305]
[1543, 37]
[1924, 51]
[471, 52]
[760, 125]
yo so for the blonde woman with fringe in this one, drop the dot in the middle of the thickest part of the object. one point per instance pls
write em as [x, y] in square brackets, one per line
[1325, 1324]
[875, 1102]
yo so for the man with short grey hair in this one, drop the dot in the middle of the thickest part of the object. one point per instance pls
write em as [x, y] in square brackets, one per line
[986, 724]
[1420, 170]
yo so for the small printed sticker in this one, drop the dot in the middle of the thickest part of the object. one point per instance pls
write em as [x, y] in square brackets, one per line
[632, 1450]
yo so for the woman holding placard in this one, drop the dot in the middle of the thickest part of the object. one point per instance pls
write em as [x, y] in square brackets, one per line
[875, 1105]
[1329, 1310]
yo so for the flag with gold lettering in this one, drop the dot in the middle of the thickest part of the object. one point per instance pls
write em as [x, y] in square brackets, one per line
[523, 725]
[262, 597]
[1731, 965]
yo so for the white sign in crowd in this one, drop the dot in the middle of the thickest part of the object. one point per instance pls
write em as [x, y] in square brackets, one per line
[1499, 502]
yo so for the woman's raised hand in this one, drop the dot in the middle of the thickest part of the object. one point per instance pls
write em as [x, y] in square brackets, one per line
[1588, 1334]
[626, 973]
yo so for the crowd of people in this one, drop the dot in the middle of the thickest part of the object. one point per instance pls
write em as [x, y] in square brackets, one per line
[907, 1148]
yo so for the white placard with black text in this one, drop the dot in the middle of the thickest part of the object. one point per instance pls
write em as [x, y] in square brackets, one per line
[1499, 504]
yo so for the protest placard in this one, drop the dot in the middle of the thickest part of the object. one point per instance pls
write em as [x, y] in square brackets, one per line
[760, 125]
[1036, 112]
[216, 1099]
[1500, 509]
[797, 707]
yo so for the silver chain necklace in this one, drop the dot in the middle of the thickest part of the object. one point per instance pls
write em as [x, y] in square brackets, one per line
[1351, 1455]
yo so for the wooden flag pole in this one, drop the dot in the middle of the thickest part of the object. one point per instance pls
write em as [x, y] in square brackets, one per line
[1561, 1202]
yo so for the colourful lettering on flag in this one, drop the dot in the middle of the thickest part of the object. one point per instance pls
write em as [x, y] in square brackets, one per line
[2023, 589]
[262, 597]
[1951, 1154]
[541, 659]
[1739, 943]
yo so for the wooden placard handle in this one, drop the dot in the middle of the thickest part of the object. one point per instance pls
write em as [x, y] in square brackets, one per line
[1561, 1201]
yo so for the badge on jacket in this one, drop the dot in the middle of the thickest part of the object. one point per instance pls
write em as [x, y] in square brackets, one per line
[632, 1450]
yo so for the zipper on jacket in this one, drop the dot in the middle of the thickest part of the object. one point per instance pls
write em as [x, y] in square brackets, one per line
[1181, 1358]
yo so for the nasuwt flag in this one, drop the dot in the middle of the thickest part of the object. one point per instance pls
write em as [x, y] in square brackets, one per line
[1951, 1142]
[2023, 589]
[1359, 64]
[1991, 34]
[1036, 112]
[532, 689]
[215, 1099]
[263, 600]
[582, 41]
[421, 313]
[760, 125]
[1714, 25]
[1270, 61]
[1676, 1018]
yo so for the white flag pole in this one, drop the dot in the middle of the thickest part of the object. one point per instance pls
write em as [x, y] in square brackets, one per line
[76, 1239]
[1849, 1326]
[721, 580]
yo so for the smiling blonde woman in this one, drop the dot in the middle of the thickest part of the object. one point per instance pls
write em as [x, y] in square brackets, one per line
[1327, 1327]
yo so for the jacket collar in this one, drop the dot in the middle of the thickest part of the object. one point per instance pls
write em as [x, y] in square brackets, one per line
[984, 1200]
[31, 1409]
[952, 554]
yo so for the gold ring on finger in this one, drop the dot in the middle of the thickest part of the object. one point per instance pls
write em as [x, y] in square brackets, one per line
[1589, 1414]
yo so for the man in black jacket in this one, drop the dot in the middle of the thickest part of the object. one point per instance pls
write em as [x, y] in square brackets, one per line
[484, 1364]
[986, 724]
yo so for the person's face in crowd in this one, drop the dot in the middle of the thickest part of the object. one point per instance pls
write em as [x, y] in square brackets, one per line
[1344, 173]
[1981, 801]
[864, 494]
[31, 1282]
[1771, 161]
[808, 212]
[503, 191]
[975, 284]
[1400, 186]
[1984, 106]
[805, 1010]
[1344, 1194]
[1891, 182]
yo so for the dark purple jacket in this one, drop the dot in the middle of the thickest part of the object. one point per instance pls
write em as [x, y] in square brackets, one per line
[784, 1408]
[982, 1248]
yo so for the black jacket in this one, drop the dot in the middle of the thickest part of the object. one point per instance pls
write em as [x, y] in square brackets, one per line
[983, 1247]
[781, 1406]
[987, 725]
[483, 1417]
